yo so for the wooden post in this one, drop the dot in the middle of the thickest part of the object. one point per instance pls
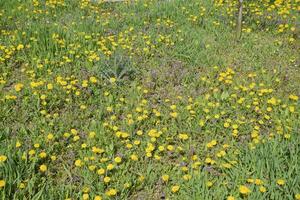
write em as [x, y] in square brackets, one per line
[239, 19]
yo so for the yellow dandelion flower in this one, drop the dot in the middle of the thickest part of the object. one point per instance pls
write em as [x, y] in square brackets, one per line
[43, 155]
[174, 114]
[106, 179]
[294, 97]
[258, 182]
[21, 186]
[78, 163]
[49, 86]
[43, 168]
[110, 166]
[280, 182]
[134, 157]
[101, 171]
[85, 196]
[97, 197]
[18, 87]
[244, 190]
[165, 177]
[226, 124]
[118, 159]
[111, 192]
[262, 189]
[175, 188]
[230, 198]
[18, 144]
[50, 136]
[2, 183]
[112, 80]
[209, 183]
[93, 79]
[183, 136]
[3, 158]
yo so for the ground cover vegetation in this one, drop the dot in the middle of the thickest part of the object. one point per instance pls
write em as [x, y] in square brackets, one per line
[149, 100]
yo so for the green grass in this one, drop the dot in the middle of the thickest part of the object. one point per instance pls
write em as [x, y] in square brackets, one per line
[216, 112]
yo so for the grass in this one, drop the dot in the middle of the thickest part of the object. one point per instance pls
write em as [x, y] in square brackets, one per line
[149, 100]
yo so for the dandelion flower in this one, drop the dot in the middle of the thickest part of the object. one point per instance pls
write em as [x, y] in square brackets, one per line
[18, 87]
[112, 80]
[280, 182]
[175, 188]
[244, 190]
[106, 179]
[165, 177]
[2, 183]
[3, 158]
[111, 192]
[18, 144]
[85, 196]
[43, 168]
[118, 159]
[230, 198]
[262, 189]
[78, 163]
[101, 171]
[97, 197]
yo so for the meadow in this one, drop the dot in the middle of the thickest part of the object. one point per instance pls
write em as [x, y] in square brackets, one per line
[149, 99]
